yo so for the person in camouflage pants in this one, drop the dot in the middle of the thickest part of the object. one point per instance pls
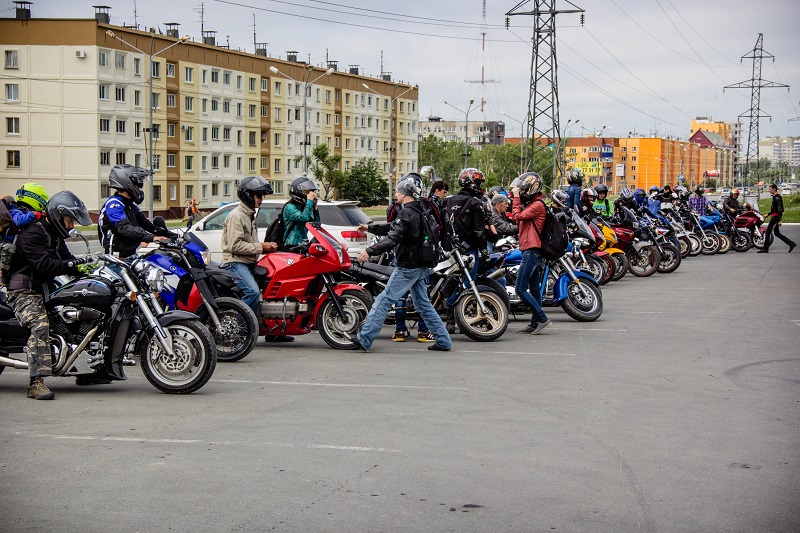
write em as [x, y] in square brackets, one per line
[30, 311]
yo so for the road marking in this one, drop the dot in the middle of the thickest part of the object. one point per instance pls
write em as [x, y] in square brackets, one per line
[641, 312]
[353, 385]
[218, 443]
[516, 353]
[595, 329]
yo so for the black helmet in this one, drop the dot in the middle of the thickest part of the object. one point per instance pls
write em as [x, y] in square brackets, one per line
[299, 187]
[410, 185]
[472, 179]
[250, 186]
[575, 177]
[497, 189]
[130, 179]
[559, 197]
[416, 178]
[684, 194]
[699, 190]
[529, 185]
[602, 188]
[66, 204]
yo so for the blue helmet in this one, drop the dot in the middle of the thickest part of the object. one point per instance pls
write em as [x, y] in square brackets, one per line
[640, 196]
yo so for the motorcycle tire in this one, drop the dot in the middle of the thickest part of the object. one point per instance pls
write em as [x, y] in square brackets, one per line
[711, 243]
[673, 260]
[582, 308]
[239, 329]
[594, 267]
[741, 242]
[609, 268]
[497, 287]
[697, 245]
[476, 327]
[193, 363]
[620, 266]
[643, 263]
[724, 244]
[758, 240]
[685, 246]
[340, 332]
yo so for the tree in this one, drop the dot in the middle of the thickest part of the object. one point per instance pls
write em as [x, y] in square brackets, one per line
[365, 184]
[446, 157]
[322, 166]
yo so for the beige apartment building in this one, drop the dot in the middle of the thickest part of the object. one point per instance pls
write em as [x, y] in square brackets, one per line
[76, 102]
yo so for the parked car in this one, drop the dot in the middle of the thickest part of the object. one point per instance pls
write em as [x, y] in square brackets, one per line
[724, 193]
[340, 218]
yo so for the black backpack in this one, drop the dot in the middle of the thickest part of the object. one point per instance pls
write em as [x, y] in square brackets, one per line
[430, 228]
[276, 230]
[553, 235]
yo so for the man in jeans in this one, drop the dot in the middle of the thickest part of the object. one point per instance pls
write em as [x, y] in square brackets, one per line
[404, 235]
[529, 212]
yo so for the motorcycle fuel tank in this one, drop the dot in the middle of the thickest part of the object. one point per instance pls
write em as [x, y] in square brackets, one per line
[93, 292]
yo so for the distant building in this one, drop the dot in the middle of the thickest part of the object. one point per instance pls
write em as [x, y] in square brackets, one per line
[780, 150]
[479, 134]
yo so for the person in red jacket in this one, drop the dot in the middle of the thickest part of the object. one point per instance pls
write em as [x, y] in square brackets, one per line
[528, 211]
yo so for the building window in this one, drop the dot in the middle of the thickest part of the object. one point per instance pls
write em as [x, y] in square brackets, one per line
[226, 134]
[189, 104]
[264, 111]
[12, 159]
[214, 76]
[12, 125]
[215, 189]
[277, 166]
[336, 119]
[277, 114]
[189, 190]
[105, 125]
[155, 98]
[328, 119]
[156, 162]
[251, 164]
[170, 130]
[119, 60]
[189, 134]
[252, 138]
[121, 126]
[336, 142]
[226, 161]
[104, 92]
[170, 70]
[155, 70]
[226, 189]
[277, 140]
[252, 84]
[214, 104]
[170, 100]
[12, 58]
[264, 85]
[277, 88]
[137, 98]
[204, 77]
[173, 192]
[104, 191]
[120, 94]
[121, 158]
[105, 158]
[204, 193]
[137, 66]
[252, 111]
[327, 97]
[238, 164]
[238, 83]
[214, 133]
[188, 163]
[347, 144]
[214, 162]
[103, 59]
[226, 78]
[226, 106]
[264, 162]
[188, 74]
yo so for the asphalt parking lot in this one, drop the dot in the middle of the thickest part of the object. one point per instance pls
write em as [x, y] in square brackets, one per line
[679, 410]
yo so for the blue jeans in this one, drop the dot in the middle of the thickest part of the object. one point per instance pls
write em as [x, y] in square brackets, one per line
[529, 283]
[401, 281]
[473, 273]
[246, 282]
[400, 315]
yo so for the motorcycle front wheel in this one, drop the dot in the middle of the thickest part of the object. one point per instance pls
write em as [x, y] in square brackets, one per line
[620, 266]
[583, 307]
[685, 246]
[758, 239]
[670, 259]
[724, 244]
[340, 331]
[497, 287]
[238, 331]
[697, 245]
[643, 263]
[741, 241]
[478, 327]
[595, 268]
[711, 243]
[191, 364]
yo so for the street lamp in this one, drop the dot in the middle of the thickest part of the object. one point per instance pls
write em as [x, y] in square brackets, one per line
[151, 55]
[306, 83]
[392, 150]
[561, 136]
[466, 127]
[522, 142]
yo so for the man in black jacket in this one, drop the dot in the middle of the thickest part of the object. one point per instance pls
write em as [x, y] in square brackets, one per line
[403, 234]
[775, 214]
[41, 256]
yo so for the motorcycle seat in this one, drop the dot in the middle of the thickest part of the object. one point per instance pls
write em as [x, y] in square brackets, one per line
[6, 312]
[373, 267]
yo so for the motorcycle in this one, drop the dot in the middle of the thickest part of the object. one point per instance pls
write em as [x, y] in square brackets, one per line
[686, 238]
[740, 238]
[643, 257]
[100, 321]
[301, 293]
[712, 222]
[210, 293]
[751, 221]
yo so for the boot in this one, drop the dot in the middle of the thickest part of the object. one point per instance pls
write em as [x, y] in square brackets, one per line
[39, 391]
[450, 320]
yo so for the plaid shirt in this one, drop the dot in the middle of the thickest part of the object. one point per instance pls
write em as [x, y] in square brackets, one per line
[698, 204]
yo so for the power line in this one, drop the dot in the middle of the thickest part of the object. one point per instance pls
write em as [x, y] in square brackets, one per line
[700, 35]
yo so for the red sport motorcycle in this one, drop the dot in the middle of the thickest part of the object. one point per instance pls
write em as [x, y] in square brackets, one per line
[299, 292]
[751, 221]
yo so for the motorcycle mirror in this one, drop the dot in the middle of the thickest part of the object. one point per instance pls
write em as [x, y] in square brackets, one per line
[160, 222]
[317, 250]
[75, 233]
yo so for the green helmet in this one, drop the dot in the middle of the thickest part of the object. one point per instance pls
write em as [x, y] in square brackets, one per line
[33, 195]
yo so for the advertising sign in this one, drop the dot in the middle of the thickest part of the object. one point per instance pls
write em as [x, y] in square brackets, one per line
[619, 171]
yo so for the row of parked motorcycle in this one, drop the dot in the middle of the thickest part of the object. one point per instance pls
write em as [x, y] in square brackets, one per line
[178, 313]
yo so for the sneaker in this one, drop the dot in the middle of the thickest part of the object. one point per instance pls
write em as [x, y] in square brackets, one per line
[358, 346]
[541, 327]
[425, 336]
[438, 348]
[39, 391]
[791, 247]
[530, 328]
[400, 335]
[762, 251]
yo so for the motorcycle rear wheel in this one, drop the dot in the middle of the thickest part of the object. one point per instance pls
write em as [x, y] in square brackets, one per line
[697, 245]
[673, 261]
[724, 244]
[476, 326]
[239, 331]
[643, 263]
[582, 308]
[191, 366]
[741, 241]
[340, 332]
[711, 243]
[609, 268]
[685, 246]
[620, 266]
[595, 267]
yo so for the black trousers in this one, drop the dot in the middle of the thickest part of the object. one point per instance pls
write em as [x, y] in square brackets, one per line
[773, 228]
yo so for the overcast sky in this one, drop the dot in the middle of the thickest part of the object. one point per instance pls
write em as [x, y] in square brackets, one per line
[648, 66]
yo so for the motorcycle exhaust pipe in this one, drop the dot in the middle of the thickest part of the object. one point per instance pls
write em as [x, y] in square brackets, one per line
[13, 363]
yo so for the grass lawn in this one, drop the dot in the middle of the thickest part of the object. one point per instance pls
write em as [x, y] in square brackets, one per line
[791, 206]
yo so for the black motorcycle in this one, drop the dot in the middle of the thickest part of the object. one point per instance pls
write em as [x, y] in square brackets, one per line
[99, 322]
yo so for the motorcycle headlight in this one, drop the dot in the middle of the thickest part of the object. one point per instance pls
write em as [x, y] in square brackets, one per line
[206, 255]
[155, 279]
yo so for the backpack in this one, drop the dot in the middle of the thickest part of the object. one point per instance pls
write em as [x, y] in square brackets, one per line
[276, 230]
[553, 235]
[430, 228]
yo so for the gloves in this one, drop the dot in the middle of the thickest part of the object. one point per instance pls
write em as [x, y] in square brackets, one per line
[80, 261]
[484, 253]
[38, 214]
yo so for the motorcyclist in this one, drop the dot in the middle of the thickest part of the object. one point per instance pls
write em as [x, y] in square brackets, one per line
[602, 205]
[465, 217]
[498, 221]
[41, 256]
[437, 194]
[301, 208]
[575, 179]
[731, 203]
[121, 226]
[698, 202]
[586, 206]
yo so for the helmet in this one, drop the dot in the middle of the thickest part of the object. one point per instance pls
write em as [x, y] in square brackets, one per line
[299, 187]
[602, 188]
[66, 204]
[529, 184]
[471, 178]
[497, 189]
[640, 196]
[250, 186]
[684, 194]
[735, 192]
[410, 185]
[699, 190]
[33, 195]
[575, 177]
[588, 195]
[625, 193]
[130, 179]
[499, 199]
[654, 189]
[559, 197]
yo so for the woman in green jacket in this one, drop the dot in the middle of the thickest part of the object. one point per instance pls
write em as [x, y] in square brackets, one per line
[301, 208]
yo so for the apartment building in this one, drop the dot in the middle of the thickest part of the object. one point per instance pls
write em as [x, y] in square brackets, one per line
[77, 101]
[479, 132]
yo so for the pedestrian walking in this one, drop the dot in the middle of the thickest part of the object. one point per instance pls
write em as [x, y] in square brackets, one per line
[775, 215]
